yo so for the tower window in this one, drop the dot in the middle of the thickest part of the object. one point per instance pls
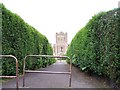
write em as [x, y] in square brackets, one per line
[61, 49]
[64, 38]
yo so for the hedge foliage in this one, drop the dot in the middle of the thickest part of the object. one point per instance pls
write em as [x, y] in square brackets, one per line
[95, 48]
[20, 39]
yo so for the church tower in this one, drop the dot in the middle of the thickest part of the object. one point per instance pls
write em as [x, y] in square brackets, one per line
[61, 44]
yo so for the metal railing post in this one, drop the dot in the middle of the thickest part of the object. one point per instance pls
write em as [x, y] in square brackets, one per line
[70, 73]
[16, 69]
[47, 72]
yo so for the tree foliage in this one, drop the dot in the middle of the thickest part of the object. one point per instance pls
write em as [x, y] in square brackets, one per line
[21, 39]
[95, 48]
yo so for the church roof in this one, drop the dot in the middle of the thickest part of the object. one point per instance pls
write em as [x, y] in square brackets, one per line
[61, 33]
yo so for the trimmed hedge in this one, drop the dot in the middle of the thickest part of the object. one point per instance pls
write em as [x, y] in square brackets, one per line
[95, 48]
[20, 39]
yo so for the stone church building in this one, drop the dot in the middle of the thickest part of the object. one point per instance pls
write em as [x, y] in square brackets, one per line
[61, 44]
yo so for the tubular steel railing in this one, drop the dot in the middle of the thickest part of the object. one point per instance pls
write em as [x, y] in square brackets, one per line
[6, 56]
[47, 72]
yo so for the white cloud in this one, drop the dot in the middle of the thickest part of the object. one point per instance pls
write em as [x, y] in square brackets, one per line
[51, 16]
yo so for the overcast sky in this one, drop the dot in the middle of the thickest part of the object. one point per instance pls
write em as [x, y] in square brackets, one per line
[51, 16]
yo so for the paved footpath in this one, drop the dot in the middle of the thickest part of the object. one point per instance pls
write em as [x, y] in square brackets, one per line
[38, 80]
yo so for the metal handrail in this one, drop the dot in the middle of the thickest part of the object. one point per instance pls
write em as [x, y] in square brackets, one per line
[5, 56]
[47, 72]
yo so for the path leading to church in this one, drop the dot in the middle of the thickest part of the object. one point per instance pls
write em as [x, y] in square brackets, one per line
[79, 79]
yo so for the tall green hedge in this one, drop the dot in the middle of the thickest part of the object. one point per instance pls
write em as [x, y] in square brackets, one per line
[20, 39]
[95, 48]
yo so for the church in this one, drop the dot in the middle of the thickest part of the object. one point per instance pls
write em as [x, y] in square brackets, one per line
[61, 44]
